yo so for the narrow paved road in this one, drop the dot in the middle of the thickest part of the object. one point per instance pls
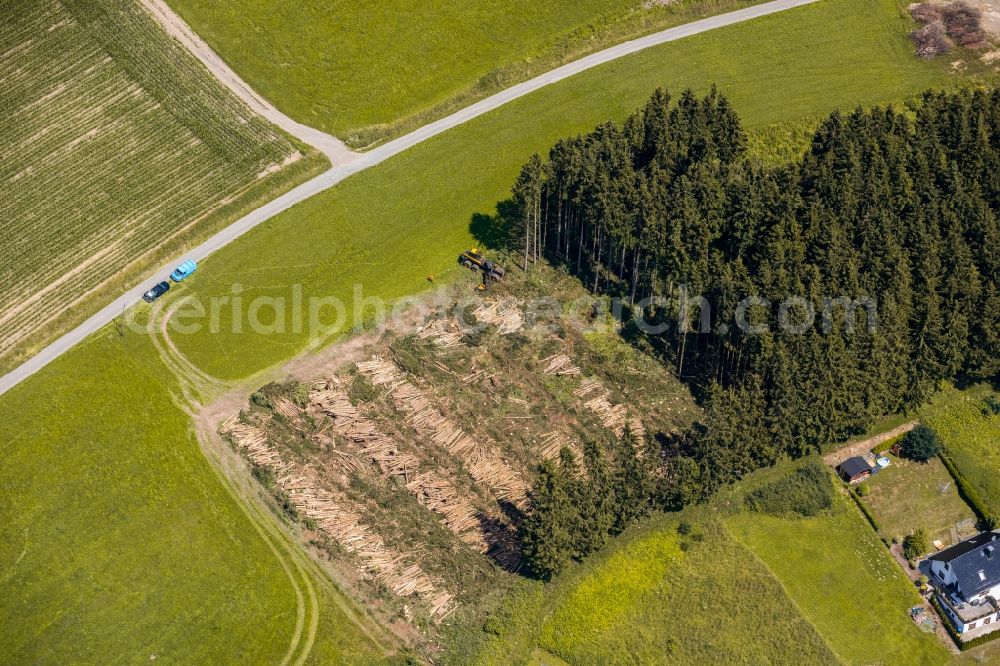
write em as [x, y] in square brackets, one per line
[331, 146]
[349, 164]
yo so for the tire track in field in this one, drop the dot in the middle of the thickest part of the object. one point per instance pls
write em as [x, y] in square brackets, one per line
[307, 602]
[283, 546]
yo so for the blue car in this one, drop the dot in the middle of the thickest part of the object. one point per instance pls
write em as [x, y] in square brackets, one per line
[184, 270]
[156, 292]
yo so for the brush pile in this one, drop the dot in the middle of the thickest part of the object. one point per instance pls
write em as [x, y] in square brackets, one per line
[944, 25]
[443, 333]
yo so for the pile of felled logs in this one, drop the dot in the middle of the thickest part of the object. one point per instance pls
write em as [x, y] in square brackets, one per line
[559, 365]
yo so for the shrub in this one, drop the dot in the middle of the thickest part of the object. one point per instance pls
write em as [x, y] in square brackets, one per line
[264, 475]
[300, 394]
[406, 356]
[805, 492]
[362, 390]
[991, 407]
[864, 490]
[921, 444]
[866, 513]
[916, 544]
[260, 398]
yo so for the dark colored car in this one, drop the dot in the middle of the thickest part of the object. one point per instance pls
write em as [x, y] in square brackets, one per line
[156, 292]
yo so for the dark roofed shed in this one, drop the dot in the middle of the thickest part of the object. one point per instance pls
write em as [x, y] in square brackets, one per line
[854, 469]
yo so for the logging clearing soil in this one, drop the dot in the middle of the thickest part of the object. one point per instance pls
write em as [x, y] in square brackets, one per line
[404, 460]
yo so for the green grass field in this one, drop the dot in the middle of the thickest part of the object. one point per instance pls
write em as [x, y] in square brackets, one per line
[366, 71]
[908, 495]
[119, 147]
[970, 437]
[644, 600]
[390, 227]
[844, 581]
[118, 540]
[98, 426]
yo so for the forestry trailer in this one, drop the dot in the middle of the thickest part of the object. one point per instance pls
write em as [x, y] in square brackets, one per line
[475, 260]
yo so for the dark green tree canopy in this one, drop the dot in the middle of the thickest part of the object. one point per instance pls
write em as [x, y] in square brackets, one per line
[883, 236]
[921, 444]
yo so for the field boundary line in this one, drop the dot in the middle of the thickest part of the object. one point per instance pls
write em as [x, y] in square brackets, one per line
[378, 155]
[788, 595]
[176, 27]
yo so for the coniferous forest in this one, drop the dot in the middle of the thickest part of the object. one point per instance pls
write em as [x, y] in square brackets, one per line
[895, 209]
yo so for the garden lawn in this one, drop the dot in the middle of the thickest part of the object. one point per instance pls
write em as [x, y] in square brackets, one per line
[363, 70]
[391, 227]
[844, 581]
[970, 437]
[119, 544]
[908, 495]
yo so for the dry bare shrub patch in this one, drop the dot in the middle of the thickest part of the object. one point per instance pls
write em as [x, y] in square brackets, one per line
[944, 26]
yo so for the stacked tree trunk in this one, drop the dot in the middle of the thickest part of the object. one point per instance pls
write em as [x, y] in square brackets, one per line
[457, 513]
[430, 489]
[252, 441]
[553, 443]
[559, 365]
[444, 333]
[613, 416]
[287, 408]
[505, 314]
[588, 385]
[380, 371]
[481, 459]
[339, 518]
[484, 463]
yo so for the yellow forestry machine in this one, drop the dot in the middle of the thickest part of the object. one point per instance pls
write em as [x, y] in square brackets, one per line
[474, 260]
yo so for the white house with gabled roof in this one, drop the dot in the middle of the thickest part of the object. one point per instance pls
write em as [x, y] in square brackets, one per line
[966, 578]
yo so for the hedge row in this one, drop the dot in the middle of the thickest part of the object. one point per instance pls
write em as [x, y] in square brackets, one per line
[864, 509]
[969, 494]
[980, 640]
